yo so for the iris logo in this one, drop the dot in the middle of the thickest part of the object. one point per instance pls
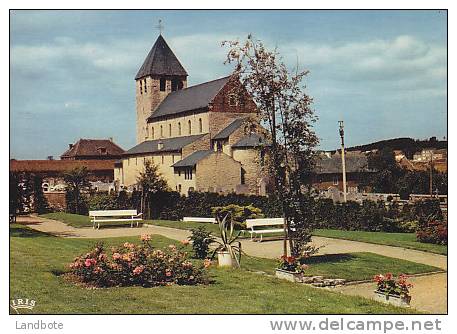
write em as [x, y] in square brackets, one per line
[20, 303]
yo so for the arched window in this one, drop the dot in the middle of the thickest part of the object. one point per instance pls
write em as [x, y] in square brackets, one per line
[152, 132]
[179, 128]
[146, 129]
[190, 127]
[141, 86]
[145, 86]
[200, 125]
[161, 131]
[169, 130]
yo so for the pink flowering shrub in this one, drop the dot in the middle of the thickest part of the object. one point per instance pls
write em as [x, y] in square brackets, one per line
[137, 264]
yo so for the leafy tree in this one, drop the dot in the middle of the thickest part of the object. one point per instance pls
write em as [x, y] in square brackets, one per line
[388, 171]
[40, 203]
[150, 182]
[16, 194]
[76, 182]
[285, 110]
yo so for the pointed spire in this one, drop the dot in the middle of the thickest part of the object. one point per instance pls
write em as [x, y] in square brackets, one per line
[161, 61]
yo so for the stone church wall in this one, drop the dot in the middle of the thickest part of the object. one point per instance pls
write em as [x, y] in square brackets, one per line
[147, 100]
[249, 159]
[154, 127]
[218, 172]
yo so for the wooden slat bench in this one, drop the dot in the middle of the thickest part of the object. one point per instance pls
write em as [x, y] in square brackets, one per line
[273, 225]
[199, 220]
[106, 216]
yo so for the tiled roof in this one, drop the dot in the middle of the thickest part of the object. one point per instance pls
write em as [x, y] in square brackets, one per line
[191, 160]
[161, 61]
[91, 147]
[192, 98]
[169, 145]
[40, 166]
[354, 163]
[229, 129]
[251, 140]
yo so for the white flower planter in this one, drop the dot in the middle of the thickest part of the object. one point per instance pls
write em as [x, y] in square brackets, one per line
[289, 275]
[392, 299]
[224, 259]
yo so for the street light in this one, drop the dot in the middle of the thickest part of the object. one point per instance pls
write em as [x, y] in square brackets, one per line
[343, 162]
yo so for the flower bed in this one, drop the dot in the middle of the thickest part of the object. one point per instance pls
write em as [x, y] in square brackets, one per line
[289, 268]
[137, 265]
[392, 289]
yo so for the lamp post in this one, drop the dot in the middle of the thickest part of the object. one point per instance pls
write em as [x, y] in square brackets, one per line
[343, 162]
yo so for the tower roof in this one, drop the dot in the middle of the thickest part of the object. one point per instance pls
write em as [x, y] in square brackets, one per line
[161, 61]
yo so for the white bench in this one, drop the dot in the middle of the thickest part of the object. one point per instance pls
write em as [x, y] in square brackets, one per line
[199, 220]
[106, 216]
[276, 225]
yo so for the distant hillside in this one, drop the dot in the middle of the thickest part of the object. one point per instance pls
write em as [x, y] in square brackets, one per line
[408, 145]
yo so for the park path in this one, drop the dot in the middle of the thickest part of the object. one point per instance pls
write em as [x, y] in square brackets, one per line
[430, 291]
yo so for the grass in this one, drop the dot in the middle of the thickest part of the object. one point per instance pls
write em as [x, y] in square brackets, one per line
[350, 266]
[406, 240]
[37, 260]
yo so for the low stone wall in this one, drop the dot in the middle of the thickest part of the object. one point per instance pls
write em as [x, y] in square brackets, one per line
[56, 200]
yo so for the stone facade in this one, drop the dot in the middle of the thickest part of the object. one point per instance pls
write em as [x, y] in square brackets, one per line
[205, 109]
[148, 97]
[218, 172]
[179, 126]
[251, 169]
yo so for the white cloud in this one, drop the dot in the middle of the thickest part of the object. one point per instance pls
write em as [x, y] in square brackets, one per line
[399, 58]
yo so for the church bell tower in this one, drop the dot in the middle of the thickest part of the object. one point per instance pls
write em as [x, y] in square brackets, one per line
[160, 74]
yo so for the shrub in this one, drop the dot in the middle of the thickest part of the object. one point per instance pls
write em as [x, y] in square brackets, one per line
[238, 213]
[137, 265]
[103, 201]
[324, 211]
[407, 226]
[433, 231]
[426, 209]
[201, 239]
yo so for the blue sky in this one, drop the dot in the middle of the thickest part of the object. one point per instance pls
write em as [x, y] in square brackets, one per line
[72, 72]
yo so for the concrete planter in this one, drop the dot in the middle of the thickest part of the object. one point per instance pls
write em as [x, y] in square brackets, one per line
[392, 299]
[289, 275]
[224, 259]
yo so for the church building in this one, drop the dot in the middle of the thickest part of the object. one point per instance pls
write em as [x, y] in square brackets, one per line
[204, 137]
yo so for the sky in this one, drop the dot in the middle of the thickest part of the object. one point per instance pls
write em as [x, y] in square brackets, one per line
[72, 72]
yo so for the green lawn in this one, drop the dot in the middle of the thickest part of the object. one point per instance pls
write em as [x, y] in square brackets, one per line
[37, 260]
[350, 266]
[406, 240]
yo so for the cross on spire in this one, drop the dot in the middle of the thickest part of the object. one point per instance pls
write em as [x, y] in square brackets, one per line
[160, 26]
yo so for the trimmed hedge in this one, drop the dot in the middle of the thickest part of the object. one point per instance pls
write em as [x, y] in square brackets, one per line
[368, 216]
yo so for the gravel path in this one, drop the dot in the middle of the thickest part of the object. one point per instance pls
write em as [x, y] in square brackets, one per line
[429, 292]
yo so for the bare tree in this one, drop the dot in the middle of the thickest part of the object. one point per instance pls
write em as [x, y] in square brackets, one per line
[285, 110]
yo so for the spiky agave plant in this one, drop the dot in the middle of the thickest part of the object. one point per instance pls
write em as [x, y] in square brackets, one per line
[229, 239]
